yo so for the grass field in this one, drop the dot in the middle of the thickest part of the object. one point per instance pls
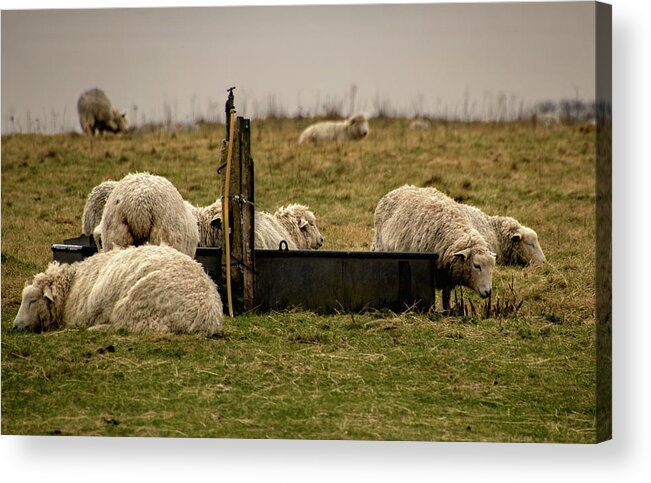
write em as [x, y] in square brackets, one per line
[525, 376]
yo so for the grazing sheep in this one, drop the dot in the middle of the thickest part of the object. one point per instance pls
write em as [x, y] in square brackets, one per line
[514, 244]
[95, 206]
[411, 219]
[420, 124]
[144, 208]
[353, 128]
[209, 223]
[141, 289]
[96, 114]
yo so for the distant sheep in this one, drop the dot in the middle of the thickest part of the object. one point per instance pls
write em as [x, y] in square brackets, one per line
[420, 124]
[548, 119]
[514, 244]
[141, 289]
[96, 114]
[353, 128]
[295, 224]
[144, 208]
[411, 219]
[95, 206]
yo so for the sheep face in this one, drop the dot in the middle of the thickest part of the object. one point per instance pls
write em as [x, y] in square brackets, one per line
[526, 248]
[120, 121]
[309, 230]
[474, 270]
[35, 309]
[358, 126]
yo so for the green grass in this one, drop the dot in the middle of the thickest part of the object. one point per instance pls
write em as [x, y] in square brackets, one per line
[528, 376]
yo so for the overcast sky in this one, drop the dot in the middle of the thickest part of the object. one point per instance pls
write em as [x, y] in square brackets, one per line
[428, 58]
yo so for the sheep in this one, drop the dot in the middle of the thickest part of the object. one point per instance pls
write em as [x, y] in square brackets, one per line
[420, 124]
[353, 128]
[209, 223]
[548, 119]
[411, 219]
[94, 207]
[295, 224]
[96, 114]
[144, 208]
[269, 233]
[514, 244]
[142, 289]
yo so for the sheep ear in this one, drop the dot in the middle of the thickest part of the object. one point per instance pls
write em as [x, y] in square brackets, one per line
[302, 224]
[47, 293]
[461, 255]
[516, 237]
[216, 222]
[494, 255]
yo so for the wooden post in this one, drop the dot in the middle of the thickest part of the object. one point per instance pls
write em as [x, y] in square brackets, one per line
[236, 219]
[241, 214]
[248, 214]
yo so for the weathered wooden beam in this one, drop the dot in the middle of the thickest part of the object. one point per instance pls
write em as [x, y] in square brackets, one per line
[248, 214]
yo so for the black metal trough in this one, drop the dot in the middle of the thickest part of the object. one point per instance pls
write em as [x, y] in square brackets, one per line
[327, 281]
[318, 280]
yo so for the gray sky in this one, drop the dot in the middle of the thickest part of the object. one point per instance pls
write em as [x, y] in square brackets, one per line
[426, 57]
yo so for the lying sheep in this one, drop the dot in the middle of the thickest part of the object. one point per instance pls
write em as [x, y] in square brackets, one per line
[141, 289]
[95, 206]
[96, 114]
[144, 208]
[353, 128]
[411, 219]
[514, 244]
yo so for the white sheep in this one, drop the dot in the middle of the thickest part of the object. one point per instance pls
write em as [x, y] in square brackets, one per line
[209, 223]
[353, 128]
[95, 206]
[142, 289]
[514, 244]
[295, 224]
[420, 124]
[548, 119]
[96, 114]
[411, 219]
[144, 208]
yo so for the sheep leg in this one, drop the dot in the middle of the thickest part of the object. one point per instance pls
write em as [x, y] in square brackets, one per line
[446, 293]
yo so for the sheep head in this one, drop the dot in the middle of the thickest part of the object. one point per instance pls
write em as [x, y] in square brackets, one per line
[302, 218]
[358, 126]
[525, 247]
[474, 269]
[35, 312]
